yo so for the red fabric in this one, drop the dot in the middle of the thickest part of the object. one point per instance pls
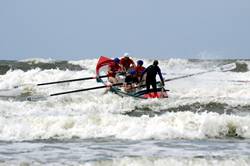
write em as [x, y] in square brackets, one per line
[139, 70]
[114, 68]
[126, 63]
[103, 61]
[152, 95]
[155, 95]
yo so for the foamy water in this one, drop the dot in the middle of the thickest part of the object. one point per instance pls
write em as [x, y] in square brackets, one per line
[203, 107]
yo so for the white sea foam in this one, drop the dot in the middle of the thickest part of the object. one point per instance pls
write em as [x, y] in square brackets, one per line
[92, 114]
[153, 161]
[38, 60]
[182, 125]
[144, 161]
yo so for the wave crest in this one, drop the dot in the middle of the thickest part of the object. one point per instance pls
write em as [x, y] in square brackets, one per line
[28, 65]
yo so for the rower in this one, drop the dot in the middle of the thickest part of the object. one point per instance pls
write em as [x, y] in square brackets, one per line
[139, 68]
[126, 62]
[113, 69]
[130, 81]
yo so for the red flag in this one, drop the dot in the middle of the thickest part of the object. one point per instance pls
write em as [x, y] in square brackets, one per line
[103, 61]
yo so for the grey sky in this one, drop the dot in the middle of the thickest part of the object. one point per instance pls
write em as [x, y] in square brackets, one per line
[78, 29]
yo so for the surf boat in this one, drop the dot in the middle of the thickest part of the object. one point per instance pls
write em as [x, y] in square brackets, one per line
[139, 92]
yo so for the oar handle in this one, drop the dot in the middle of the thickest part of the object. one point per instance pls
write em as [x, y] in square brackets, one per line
[72, 80]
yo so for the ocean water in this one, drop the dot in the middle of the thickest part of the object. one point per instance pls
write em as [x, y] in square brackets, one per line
[205, 120]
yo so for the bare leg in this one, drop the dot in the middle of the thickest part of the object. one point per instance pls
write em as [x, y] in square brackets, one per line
[112, 80]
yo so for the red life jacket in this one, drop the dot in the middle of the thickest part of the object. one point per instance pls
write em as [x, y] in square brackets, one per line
[126, 63]
[114, 67]
[139, 70]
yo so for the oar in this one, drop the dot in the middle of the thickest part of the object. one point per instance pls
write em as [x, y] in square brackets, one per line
[240, 81]
[58, 82]
[79, 79]
[42, 97]
[86, 89]
[224, 68]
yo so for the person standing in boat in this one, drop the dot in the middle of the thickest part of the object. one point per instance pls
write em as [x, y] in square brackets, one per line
[151, 72]
[126, 62]
[113, 69]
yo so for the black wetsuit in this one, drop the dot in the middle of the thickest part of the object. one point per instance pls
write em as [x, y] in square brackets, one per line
[152, 71]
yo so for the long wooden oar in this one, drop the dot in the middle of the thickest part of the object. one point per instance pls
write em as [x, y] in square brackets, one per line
[43, 97]
[63, 81]
[224, 68]
[86, 89]
[240, 81]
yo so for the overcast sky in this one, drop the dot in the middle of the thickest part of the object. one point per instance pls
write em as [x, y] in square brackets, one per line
[79, 29]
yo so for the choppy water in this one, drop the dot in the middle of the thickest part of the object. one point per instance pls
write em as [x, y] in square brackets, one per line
[108, 151]
[205, 121]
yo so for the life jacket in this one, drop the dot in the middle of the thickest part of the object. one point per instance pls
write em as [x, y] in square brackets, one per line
[126, 63]
[139, 70]
[114, 67]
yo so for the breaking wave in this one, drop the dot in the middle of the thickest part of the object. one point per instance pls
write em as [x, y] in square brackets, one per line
[32, 64]
[212, 105]
[241, 67]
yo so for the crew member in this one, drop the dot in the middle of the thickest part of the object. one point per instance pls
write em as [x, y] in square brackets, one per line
[113, 68]
[130, 81]
[127, 63]
[139, 68]
[152, 71]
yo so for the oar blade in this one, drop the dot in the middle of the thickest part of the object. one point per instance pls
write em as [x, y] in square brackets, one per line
[228, 67]
[37, 98]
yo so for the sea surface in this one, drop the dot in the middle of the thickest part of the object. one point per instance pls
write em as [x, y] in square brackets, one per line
[205, 120]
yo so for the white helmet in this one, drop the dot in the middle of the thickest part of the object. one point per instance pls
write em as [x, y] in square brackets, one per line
[126, 54]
